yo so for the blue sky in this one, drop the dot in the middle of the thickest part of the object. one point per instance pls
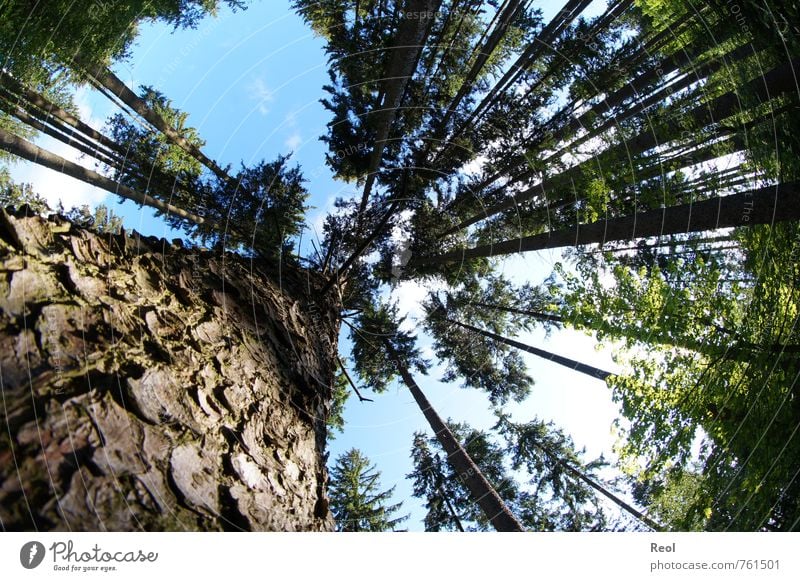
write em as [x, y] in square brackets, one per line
[251, 82]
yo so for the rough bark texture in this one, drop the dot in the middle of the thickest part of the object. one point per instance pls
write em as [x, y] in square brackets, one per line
[149, 386]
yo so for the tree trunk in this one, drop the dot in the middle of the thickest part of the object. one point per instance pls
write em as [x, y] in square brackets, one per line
[468, 472]
[765, 88]
[407, 48]
[146, 386]
[35, 154]
[599, 488]
[561, 360]
[767, 205]
[108, 80]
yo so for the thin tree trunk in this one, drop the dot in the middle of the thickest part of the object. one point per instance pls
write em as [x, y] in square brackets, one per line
[468, 472]
[509, 11]
[408, 46]
[768, 205]
[565, 361]
[48, 107]
[60, 132]
[452, 511]
[775, 82]
[113, 84]
[598, 487]
[37, 155]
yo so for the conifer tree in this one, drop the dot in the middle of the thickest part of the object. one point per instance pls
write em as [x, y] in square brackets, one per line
[357, 502]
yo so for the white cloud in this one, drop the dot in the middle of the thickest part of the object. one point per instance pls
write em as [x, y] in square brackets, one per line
[260, 92]
[291, 119]
[293, 141]
[409, 295]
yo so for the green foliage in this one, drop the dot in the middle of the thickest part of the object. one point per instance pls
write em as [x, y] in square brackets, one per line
[341, 393]
[678, 501]
[713, 357]
[153, 164]
[16, 195]
[356, 500]
[259, 211]
[378, 342]
[264, 209]
[433, 482]
[446, 497]
[490, 366]
[40, 38]
[102, 219]
[562, 501]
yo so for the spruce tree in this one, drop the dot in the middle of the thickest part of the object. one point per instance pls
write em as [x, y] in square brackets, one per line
[357, 502]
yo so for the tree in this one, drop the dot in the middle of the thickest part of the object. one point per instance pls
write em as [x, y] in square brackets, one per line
[102, 220]
[16, 195]
[545, 450]
[383, 352]
[554, 497]
[448, 498]
[357, 502]
[432, 483]
[749, 207]
[698, 330]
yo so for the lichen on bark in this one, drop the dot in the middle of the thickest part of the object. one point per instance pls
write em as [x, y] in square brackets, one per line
[148, 386]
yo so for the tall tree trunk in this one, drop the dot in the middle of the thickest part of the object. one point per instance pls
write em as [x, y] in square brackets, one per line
[543, 41]
[35, 154]
[410, 39]
[767, 205]
[108, 80]
[480, 489]
[769, 86]
[33, 99]
[148, 387]
[565, 361]
[598, 487]
[505, 16]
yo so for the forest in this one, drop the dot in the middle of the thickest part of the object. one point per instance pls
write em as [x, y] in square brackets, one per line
[197, 383]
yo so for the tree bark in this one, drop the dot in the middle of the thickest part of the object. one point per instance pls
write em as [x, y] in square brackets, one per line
[146, 386]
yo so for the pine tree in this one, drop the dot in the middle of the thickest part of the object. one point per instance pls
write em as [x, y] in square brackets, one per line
[357, 502]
